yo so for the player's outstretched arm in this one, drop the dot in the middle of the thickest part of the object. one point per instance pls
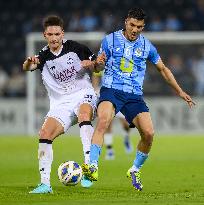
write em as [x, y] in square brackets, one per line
[170, 79]
[96, 65]
[31, 63]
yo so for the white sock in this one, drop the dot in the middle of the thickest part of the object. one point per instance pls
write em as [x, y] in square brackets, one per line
[108, 139]
[86, 133]
[45, 156]
[134, 168]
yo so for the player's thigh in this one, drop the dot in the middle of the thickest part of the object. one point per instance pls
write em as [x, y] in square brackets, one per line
[85, 112]
[144, 124]
[51, 129]
[86, 100]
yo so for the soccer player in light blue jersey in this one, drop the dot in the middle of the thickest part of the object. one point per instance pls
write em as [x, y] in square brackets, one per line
[127, 52]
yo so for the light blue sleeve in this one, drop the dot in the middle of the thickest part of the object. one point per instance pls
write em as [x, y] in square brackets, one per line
[104, 48]
[153, 56]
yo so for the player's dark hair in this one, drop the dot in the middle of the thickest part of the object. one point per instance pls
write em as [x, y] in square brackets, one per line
[136, 13]
[53, 20]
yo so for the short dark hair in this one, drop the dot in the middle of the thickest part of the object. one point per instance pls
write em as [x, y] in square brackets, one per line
[53, 20]
[136, 13]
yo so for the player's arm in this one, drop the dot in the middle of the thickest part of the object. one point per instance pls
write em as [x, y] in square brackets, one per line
[96, 65]
[100, 62]
[170, 79]
[103, 56]
[31, 63]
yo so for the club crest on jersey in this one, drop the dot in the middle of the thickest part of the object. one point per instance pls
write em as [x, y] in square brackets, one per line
[70, 61]
[138, 52]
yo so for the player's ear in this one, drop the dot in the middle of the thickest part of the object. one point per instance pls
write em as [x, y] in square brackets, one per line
[63, 32]
[44, 34]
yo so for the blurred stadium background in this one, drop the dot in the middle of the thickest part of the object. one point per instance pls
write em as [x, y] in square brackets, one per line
[180, 42]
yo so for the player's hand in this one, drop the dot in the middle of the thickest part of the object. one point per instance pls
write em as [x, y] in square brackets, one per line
[33, 60]
[31, 63]
[100, 60]
[87, 64]
[187, 98]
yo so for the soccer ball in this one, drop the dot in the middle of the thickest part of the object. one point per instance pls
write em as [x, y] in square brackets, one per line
[70, 173]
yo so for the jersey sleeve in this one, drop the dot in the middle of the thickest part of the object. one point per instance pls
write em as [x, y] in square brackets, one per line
[85, 53]
[104, 48]
[153, 56]
[41, 57]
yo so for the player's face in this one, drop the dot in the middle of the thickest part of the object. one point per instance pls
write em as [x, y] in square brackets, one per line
[54, 36]
[133, 28]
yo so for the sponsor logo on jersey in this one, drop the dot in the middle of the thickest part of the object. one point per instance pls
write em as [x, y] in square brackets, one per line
[138, 52]
[64, 75]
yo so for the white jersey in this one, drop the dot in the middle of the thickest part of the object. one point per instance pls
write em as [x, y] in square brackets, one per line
[62, 73]
[67, 83]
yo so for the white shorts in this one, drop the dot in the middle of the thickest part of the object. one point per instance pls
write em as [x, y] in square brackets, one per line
[65, 109]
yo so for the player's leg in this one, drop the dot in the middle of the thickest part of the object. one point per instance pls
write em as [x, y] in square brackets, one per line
[126, 134]
[144, 124]
[85, 114]
[85, 117]
[108, 142]
[105, 112]
[49, 131]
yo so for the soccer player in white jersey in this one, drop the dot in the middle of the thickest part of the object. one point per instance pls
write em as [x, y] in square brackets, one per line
[126, 53]
[72, 98]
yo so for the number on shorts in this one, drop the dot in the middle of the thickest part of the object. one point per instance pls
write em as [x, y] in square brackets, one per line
[88, 98]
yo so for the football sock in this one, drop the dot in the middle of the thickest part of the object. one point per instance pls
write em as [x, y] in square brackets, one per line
[94, 154]
[108, 140]
[45, 157]
[139, 160]
[86, 133]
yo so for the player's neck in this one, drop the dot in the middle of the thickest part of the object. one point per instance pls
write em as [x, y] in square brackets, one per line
[56, 50]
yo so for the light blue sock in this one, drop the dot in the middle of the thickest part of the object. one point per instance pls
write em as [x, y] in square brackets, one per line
[140, 159]
[95, 152]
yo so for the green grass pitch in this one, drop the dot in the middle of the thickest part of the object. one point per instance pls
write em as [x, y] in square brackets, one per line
[173, 174]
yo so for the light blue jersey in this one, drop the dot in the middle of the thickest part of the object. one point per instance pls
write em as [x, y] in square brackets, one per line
[126, 62]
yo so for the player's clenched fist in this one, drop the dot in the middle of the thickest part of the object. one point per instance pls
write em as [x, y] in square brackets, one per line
[101, 58]
[31, 63]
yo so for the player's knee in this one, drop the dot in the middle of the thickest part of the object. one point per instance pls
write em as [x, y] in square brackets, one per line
[85, 116]
[103, 124]
[44, 134]
[148, 136]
